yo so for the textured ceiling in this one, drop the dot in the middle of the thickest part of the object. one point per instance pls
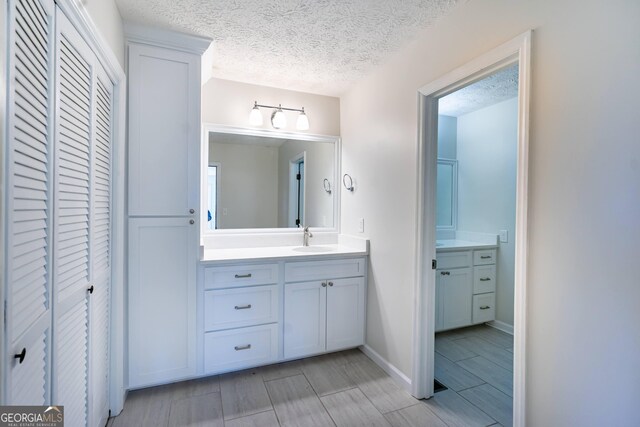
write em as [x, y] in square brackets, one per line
[317, 46]
[496, 88]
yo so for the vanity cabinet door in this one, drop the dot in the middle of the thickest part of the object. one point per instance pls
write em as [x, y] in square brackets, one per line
[305, 315]
[345, 313]
[455, 291]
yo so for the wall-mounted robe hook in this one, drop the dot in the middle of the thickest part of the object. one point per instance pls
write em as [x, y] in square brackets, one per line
[348, 182]
[327, 185]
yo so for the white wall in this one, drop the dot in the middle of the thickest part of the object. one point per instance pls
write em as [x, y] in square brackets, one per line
[318, 166]
[248, 185]
[106, 16]
[487, 156]
[228, 103]
[583, 339]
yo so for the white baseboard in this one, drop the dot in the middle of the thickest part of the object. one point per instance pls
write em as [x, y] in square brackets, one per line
[395, 373]
[501, 326]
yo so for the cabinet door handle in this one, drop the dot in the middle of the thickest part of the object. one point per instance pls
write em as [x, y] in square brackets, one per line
[242, 307]
[445, 273]
[191, 222]
[191, 211]
[485, 256]
[324, 284]
[484, 279]
[330, 283]
[20, 356]
[485, 307]
[243, 276]
[242, 347]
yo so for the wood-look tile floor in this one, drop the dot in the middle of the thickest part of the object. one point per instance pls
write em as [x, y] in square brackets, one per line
[339, 389]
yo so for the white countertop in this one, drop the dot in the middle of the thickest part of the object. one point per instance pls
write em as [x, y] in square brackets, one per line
[445, 245]
[313, 251]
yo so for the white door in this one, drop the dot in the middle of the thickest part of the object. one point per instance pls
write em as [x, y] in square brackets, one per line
[72, 189]
[164, 132]
[101, 248]
[457, 292]
[345, 313]
[162, 299]
[305, 315]
[438, 303]
[27, 271]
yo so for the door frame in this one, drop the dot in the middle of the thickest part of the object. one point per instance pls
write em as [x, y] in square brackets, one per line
[218, 167]
[517, 50]
[292, 214]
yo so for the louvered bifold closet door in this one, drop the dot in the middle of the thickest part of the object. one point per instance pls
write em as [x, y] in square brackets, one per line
[101, 248]
[72, 205]
[28, 209]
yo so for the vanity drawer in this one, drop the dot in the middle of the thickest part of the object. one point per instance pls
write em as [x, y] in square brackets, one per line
[484, 279]
[484, 307]
[240, 348]
[453, 259]
[240, 275]
[238, 307]
[487, 256]
[319, 270]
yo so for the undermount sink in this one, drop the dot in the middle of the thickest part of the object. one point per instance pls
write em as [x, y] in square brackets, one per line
[312, 249]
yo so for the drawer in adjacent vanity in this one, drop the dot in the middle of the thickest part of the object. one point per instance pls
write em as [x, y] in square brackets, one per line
[485, 256]
[320, 270]
[240, 275]
[240, 348]
[239, 307]
[455, 259]
[484, 279]
[484, 307]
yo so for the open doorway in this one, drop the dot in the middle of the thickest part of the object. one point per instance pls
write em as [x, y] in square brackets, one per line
[471, 265]
[296, 190]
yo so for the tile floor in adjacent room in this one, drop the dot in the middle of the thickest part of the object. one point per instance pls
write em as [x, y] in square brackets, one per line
[339, 389]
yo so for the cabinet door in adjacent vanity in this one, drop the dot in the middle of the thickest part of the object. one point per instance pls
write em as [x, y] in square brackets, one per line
[305, 311]
[454, 290]
[345, 313]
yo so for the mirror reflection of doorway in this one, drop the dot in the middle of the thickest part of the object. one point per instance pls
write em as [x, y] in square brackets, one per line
[296, 191]
[213, 179]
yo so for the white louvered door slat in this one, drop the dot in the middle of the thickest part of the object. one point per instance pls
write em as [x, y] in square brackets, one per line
[29, 185]
[72, 202]
[100, 249]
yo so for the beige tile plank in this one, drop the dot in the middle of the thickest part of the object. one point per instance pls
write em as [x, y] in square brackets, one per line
[453, 375]
[351, 408]
[491, 373]
[492, 401]
[296, 404]
[383, 392]
[414, 416]
[452, 350]
[281, 370]
[326, 375]
[197, 411]
[263, 419]
[455, 411]
[243, 393]
[489, 351]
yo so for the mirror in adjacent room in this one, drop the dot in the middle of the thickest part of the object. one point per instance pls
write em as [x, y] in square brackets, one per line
[446, 194]
[267, 182]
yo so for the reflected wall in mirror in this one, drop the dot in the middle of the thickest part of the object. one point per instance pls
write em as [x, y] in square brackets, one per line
[447, 194]
[269, 182]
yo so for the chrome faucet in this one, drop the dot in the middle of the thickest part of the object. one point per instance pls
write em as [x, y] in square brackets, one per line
[306, 235]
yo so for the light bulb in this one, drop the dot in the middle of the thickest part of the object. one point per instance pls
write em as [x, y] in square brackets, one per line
[303, 121]
[278, 119]
[255, 117]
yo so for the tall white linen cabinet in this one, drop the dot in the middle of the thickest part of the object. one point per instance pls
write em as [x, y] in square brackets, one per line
[163, 203]
[57, 225]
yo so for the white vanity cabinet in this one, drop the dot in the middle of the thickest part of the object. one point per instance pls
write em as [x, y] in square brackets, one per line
[323, 314]
[465, 288]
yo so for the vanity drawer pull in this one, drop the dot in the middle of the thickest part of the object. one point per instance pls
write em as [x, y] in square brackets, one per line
[242, 347]
[330, 283]
[243, 276]
[485, 307]
[485, 257]
[324, 284]
[485, 279]
[242, 307]
[445, 273]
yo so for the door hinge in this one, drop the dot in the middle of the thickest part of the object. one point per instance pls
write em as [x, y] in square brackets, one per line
[298, 176]
[434, 264]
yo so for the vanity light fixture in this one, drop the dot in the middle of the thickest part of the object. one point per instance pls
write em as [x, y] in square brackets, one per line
[278, 119]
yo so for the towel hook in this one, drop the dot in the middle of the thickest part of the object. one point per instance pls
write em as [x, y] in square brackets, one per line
[327, 185]
[347, 178]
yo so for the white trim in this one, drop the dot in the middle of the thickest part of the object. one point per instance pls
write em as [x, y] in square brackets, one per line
[396, 374]
[237, 130]
[137, 33]
[454, 194]
[4, 142]
[501, 326]
[82, 21]
[516, 50]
